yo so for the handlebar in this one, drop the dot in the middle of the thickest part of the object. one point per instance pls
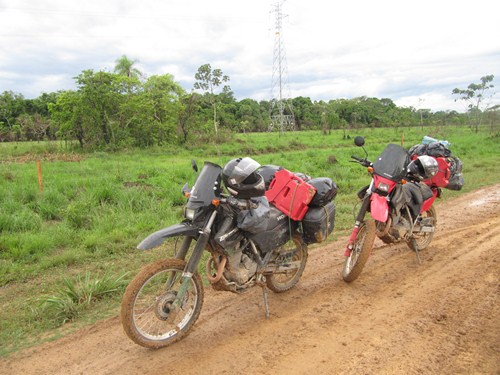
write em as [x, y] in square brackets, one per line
[240, 204]
[364, 162]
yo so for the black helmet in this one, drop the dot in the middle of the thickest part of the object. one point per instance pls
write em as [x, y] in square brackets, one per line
[423, 167]
[241, 178]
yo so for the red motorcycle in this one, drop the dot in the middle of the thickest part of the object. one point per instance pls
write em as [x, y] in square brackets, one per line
[399, 200]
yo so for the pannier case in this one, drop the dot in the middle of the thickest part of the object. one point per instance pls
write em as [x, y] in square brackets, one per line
[290, 194]
[318, 223]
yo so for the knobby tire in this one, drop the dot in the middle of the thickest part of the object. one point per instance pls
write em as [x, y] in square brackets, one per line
[144, 316]
[362, 247]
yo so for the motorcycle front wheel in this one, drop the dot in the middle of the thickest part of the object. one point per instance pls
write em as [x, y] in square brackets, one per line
[280, 282]
[147, 312]
[362, 246]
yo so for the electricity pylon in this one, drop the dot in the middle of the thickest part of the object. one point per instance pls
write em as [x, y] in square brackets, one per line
[281, 114]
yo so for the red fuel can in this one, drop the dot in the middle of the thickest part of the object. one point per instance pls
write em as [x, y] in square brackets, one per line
[290, 194]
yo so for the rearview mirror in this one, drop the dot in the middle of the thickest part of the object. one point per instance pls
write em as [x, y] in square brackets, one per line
[359, 141]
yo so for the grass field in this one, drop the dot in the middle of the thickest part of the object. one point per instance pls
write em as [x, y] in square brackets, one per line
[95, 208]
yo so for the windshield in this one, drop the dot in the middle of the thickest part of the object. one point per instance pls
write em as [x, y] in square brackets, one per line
[392, 163]
[207, 186]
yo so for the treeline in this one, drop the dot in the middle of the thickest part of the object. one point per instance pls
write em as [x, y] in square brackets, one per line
[120, 109]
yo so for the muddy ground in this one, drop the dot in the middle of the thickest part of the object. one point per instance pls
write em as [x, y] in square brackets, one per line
[440, 317]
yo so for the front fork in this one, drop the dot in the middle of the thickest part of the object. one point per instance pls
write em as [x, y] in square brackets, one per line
[359, 219]
[193, 261]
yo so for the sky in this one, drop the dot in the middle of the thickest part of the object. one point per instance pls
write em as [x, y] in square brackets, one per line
[413, 52]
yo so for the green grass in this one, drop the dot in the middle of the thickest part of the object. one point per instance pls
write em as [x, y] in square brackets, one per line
[96, 207]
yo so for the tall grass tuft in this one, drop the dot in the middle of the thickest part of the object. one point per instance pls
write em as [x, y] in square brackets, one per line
[76, 295]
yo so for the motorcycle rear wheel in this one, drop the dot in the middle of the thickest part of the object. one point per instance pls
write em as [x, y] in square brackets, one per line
[363, 244]
[145, 309]
[283, 281]
[422, 240]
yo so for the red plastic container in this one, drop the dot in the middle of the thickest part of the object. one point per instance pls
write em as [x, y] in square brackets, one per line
[290, 194]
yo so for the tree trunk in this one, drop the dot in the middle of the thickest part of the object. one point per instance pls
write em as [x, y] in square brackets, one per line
[215, 117]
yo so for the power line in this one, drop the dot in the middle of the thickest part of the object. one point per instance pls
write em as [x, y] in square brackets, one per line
[121, 14]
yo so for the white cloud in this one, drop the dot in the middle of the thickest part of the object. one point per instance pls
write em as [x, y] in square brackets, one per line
[387, 48]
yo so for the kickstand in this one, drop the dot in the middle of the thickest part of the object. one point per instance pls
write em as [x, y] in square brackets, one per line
[415, 247]
[266, 305]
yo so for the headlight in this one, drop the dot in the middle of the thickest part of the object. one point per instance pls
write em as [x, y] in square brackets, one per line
[189, 213]
[383, 187]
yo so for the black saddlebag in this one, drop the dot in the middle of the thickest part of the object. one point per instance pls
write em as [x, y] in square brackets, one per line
[318, 223]
[326, 191]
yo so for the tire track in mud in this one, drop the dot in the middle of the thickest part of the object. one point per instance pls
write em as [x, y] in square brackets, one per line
[398, 317]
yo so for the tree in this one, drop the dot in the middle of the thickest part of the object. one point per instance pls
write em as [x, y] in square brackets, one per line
[160, 109]
[474, 94]
[303, 113]
[125, 67]
[12, 105]
[249, 115]
[67, 114]
[208, 80]
[493, 117]
[101, 96]
[34, 127]
[189, 107]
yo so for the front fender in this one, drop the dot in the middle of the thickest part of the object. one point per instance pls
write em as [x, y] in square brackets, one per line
[157, 238]
[379, 208]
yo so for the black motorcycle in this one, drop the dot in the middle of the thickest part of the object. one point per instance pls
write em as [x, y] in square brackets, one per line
[251, 243]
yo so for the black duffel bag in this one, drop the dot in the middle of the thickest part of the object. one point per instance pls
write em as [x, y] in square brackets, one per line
[267, 172]
[326, 191]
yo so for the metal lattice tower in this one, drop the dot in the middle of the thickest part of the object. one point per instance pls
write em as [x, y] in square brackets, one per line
[281, 114]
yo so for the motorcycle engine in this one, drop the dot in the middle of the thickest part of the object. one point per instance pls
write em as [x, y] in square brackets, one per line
[399, 229]
[239, 268]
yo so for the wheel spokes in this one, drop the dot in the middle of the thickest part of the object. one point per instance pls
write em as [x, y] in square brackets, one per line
[152, 307]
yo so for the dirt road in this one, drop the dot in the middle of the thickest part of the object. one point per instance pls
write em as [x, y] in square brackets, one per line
[440, 317]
